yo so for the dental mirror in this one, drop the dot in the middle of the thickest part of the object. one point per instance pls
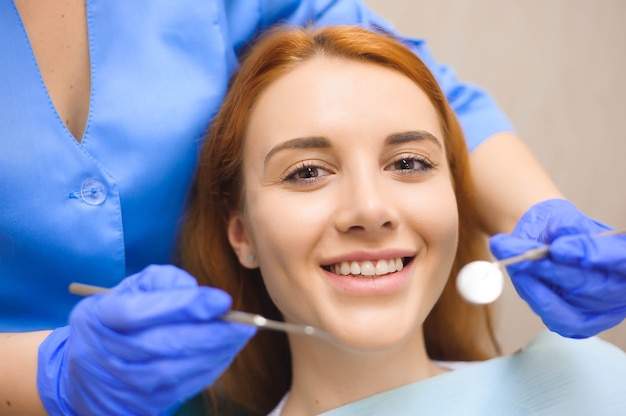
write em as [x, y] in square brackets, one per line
[482, 282]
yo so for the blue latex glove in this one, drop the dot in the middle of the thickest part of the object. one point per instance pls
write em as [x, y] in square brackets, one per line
[144, 348]
[579, 290]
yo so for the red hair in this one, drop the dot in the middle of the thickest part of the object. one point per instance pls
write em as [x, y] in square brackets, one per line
[261, 374]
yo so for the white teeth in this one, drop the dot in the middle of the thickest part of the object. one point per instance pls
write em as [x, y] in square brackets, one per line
[367, 268]
[382, 267]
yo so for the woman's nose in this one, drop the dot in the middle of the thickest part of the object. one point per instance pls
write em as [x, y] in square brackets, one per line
[366, 205]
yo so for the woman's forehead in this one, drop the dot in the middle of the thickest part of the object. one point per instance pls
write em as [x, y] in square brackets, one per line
[338, 93]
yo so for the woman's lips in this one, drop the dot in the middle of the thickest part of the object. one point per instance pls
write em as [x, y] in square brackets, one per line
[364, 283]
[367, 268]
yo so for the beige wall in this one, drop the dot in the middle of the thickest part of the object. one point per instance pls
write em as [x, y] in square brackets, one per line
[557, 68]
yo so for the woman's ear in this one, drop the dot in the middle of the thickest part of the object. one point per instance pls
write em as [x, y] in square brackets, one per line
[240, 241]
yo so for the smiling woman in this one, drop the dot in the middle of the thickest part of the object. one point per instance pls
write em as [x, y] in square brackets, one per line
[344, 172]
[334, 191]
[352, 197]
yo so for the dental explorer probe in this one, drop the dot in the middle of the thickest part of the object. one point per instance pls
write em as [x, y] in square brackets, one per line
[259, 321]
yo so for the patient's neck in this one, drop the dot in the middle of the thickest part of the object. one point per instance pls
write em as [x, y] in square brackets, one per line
[326, 377]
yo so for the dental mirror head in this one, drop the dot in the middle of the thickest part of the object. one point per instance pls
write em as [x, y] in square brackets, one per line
[480, 282]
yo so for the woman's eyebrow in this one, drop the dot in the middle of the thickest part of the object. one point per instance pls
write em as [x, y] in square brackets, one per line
[410, 136]
[299, 143]
[321, 142]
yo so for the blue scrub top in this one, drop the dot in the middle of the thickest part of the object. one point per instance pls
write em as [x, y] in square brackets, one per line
[105, 208]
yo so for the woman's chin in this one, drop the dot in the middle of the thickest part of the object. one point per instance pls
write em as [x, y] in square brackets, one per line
[367, 342]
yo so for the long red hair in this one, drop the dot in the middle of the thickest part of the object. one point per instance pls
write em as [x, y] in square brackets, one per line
[261, 374]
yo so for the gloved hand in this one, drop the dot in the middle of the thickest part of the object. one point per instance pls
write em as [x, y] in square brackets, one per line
[579, 290]
[147, 346]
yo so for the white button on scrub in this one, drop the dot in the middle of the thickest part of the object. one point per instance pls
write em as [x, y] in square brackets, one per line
[93, 192]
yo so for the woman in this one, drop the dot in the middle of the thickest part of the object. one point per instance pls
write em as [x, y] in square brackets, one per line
[342, 199]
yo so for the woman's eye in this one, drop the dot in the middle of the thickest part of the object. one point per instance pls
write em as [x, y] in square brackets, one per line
[404, 164]
[305, 173]
[411, 165]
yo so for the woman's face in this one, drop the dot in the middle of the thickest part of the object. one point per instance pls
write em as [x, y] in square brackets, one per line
[349, 206]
